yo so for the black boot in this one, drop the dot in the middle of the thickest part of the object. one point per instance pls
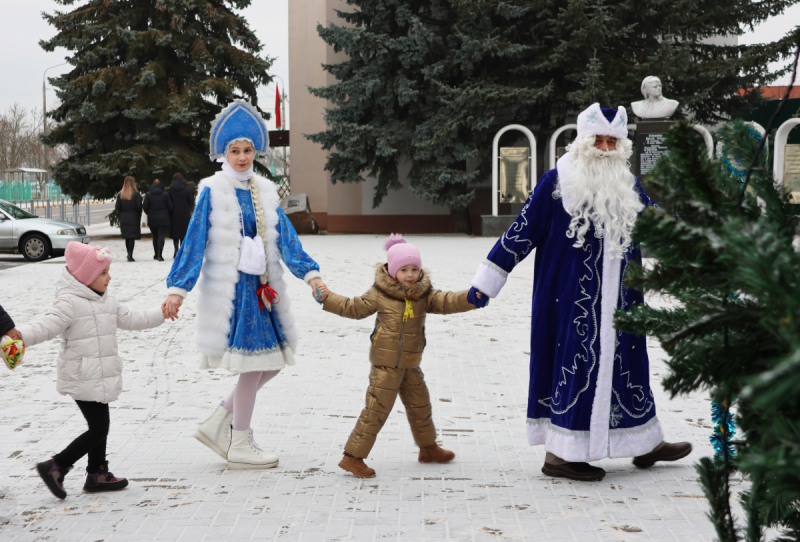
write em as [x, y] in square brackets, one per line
[102, 480]
[53, 477]
[130, 257]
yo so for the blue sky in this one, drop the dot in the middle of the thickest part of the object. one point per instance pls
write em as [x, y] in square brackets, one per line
[23, 62]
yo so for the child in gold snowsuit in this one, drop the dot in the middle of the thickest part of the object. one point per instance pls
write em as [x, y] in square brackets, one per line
[402, 295]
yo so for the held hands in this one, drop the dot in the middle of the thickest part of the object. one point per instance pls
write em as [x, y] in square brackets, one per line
[14, 334]
[477, 298]
[170, 306]
[319, 290]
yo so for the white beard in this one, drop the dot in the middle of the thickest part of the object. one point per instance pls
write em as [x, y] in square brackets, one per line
[598, 188]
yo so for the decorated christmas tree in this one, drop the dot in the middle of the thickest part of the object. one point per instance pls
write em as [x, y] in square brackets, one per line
[723, 239]
[147, 78]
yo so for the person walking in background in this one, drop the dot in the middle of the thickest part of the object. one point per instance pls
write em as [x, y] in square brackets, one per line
[129, 207]
[158, 206]
[182, 204]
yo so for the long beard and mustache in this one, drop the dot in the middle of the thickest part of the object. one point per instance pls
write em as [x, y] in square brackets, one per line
[601, 190]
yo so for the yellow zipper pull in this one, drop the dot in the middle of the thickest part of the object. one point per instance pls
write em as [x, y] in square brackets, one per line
[409, 312]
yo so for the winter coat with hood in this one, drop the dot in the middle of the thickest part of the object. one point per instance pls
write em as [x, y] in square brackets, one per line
[158, 206]
[89, 368]
[130, 216]
[397, 342]
[182, 203]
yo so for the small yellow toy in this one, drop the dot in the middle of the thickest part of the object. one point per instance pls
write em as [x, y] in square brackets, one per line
[13, 351]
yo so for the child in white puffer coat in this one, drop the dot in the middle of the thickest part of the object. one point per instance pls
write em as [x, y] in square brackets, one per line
[89, 368]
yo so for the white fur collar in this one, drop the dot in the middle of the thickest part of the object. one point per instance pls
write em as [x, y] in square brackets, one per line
[564, 168]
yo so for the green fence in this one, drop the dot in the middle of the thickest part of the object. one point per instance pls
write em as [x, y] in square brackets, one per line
[15, 190]
[21, 191]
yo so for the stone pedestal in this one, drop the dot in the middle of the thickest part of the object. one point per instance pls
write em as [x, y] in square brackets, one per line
[495, 226]
[298, 211]
[649, 144]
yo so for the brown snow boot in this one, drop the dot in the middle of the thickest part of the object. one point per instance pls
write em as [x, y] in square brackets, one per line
[433, 453]
[356, 466]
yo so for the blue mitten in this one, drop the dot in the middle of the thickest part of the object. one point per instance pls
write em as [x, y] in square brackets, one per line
[472, 297]
[318, 297]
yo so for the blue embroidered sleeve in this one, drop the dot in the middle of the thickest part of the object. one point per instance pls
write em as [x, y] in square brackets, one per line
[645, 198]
[295, 258]
[529, 228]
[189, 260]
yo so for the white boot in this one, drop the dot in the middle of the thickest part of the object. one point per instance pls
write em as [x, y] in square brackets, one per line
[244, 453]
[215, 432]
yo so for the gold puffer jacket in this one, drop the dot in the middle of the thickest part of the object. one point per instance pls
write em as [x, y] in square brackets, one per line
[398, 342]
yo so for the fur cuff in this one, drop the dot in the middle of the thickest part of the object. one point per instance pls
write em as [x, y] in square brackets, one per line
[312, 275]
[177, 291]
[489, 279]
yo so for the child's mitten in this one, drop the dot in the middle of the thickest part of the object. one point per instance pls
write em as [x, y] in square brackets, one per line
[13, 351]
[473, 298]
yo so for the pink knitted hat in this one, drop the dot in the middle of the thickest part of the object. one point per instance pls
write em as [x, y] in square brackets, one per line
[400, 254]
[86, 262]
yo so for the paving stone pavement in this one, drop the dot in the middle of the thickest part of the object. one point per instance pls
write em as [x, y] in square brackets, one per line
[476, 366]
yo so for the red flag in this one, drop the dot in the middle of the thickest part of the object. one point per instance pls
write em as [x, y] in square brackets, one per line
[278, 108]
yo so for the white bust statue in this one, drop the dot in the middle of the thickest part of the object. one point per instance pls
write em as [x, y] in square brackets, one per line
[654, 105]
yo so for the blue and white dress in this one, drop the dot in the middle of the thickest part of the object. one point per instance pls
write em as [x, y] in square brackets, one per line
[256, 339]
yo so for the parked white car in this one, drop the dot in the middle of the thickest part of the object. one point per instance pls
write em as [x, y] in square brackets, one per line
[36, 238]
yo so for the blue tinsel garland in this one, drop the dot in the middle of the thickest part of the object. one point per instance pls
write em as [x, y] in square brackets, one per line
[723, 432]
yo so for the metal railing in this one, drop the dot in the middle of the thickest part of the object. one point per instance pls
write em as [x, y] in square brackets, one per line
[62, 209]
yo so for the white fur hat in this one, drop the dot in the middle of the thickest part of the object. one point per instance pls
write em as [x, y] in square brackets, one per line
[596, 120]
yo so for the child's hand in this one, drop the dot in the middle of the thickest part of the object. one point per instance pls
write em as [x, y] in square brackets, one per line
[14, 334]
[477, 298]
[171, 306]
[319, 290]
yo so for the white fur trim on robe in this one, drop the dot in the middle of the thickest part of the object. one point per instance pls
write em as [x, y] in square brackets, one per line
[489, 279]
[217, 284]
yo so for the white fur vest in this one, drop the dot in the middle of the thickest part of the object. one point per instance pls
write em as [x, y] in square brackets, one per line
[217, 284]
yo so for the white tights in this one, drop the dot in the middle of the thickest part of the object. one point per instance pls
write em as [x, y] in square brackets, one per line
[242, 399]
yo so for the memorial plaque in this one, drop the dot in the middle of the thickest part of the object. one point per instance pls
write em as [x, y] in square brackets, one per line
[650, 145]
[515, 177]
[791, 171]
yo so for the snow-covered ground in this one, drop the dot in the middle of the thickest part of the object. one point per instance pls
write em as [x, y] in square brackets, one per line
[476, 366]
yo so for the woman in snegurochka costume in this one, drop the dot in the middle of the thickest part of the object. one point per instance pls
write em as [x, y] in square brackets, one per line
[236, 240]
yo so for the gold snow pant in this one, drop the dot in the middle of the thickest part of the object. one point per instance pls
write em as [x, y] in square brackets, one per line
[384, 384]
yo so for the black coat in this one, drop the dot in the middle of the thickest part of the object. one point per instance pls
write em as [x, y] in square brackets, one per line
[158, 206]
[182, 203]
[6, 323]
[130, 216]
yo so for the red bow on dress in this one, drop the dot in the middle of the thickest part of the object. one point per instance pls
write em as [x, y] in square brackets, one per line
[265, 295]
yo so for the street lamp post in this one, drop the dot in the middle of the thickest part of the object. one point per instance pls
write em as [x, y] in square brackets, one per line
[44, 112]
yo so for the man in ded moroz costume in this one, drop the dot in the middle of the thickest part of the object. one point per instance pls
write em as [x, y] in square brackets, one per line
[589, 391]
[237, 238]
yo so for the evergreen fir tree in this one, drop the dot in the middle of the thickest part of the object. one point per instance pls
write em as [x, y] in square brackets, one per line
[728, 259]
[147, 79]
[432, 81]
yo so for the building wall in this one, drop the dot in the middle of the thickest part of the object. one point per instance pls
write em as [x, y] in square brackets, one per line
[339, 207]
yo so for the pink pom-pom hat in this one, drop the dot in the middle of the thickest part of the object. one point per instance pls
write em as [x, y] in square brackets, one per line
[86, 262]
[400, 254]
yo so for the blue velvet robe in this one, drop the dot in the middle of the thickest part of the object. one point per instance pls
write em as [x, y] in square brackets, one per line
[565, 364]
[254, 334]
